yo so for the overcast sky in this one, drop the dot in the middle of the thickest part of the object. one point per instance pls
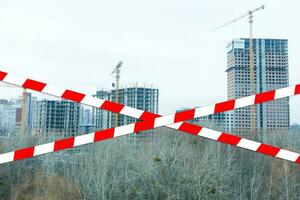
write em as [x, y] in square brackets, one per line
[76, 44]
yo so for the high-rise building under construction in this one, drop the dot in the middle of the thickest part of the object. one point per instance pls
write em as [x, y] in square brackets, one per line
[271, 72]
[136, 96]
[56, 117]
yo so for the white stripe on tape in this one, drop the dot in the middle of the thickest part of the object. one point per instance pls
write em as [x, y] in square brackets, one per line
[284, 92]
[92, 101]
[248, 144]
[7, 157]
[44, 148]
[175, 126]
[132, 112]
[204, 111]
[15, 80]
[123, 130]
[161, 121]
[287, 155]
[208, 133]
[84, 139]
[54, 91]
[245, 101]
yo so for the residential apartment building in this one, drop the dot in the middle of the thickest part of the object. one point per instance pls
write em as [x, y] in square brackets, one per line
[140, 97]
[271, 72]
[56, 117]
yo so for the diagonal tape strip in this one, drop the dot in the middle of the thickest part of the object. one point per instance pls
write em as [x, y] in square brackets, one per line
[185, 115]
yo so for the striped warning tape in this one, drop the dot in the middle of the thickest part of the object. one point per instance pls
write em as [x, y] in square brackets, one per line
[155, 120]
[98, 136]
[144, 115]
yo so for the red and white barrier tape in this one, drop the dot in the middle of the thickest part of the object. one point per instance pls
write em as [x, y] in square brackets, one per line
[144, 115]
[158, 121]
[141, 126]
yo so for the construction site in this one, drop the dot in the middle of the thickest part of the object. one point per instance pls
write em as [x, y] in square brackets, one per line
[196, 101]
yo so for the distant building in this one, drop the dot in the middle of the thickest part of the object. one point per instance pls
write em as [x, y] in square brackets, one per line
[85, 116]
[295, 127]
[30, 107]
[85, 129]
[85, 122]
[271, 72]
[18, 120]
[3, 101]
[7, 118]
[51, 117]
[140, 97]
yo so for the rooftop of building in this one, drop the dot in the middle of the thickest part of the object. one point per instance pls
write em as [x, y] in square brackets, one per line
[131, 86]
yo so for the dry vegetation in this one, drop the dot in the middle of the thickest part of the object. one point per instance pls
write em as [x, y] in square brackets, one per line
[161, 165]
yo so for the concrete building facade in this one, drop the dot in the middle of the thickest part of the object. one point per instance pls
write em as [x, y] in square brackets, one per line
[271, 72]
[30, 107]
[140, 97]
[7, 118]
[56, 117]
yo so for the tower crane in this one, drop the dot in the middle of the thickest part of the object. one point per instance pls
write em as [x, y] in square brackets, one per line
[251, 54]
[24, 110]
[117, 72]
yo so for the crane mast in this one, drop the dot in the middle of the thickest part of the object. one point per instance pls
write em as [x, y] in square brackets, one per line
[252, 72]
[117, 72]
[251, 57]
[23, 112]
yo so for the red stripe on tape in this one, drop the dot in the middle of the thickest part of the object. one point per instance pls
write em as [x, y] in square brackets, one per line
[2, 75]
[112, 106]
[64, 144]
[298, 160]
[104, 134]
[190, 128]
[24, 153]
[144, 125]
[72, 95]
[184, 115]
[229, 139]
[268, 150]
[265, 96]
[297, 89]
[148, 115]
[34, 85]
[224, 106]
